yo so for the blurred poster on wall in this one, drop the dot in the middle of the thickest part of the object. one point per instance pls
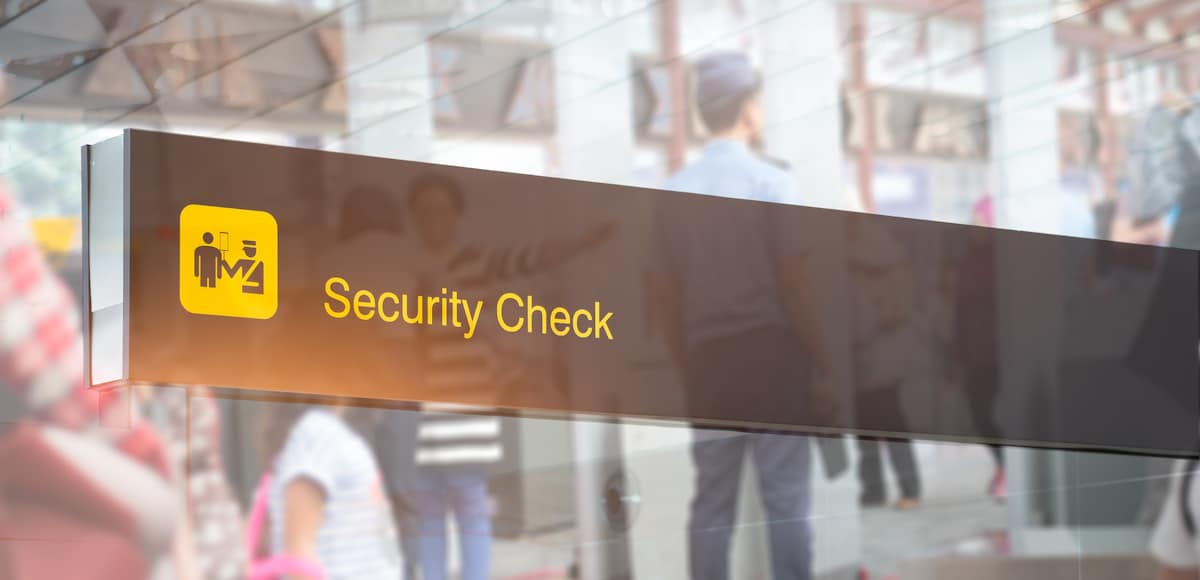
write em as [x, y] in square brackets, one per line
[902, 190]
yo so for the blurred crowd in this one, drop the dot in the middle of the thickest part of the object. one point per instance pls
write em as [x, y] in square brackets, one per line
[132, 482]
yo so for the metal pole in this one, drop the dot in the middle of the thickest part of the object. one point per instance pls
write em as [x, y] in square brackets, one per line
[860, 89]
[1104, 122]
[669, 46]
[1187, 77]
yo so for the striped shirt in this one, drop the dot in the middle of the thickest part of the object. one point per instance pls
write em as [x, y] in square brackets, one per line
[476, 370]
[457, 370]
[357, 538]
[41, 345]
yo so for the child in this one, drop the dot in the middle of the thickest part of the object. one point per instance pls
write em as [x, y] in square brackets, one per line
[326, 501]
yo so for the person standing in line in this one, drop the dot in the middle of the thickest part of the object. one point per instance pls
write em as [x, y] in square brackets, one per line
[325, 503]
[729, 282]
[456, 450]
[370, 249]
[974, 341]
[1161, 340]
[211, 528]
[890, 353]
[1176, 543]
[44, 397]
[1162, 195]
[1184, 218]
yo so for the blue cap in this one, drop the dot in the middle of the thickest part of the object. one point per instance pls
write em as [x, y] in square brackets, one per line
[723, 75]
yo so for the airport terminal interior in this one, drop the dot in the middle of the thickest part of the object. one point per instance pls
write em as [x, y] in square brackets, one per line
[1039, 116]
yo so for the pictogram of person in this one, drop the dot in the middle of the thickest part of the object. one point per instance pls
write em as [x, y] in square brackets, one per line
[250, 269]
[207, 262]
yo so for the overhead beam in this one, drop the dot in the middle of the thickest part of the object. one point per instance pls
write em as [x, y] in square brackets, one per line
[10, 13]
[1138, 17]
[969, 10]
[1116, 43]
[1074, 34]
[1184, 24]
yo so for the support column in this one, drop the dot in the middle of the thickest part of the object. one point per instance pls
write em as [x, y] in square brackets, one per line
[1106, 128]
[389, 107]
[801, 96]
[594, 142]
[1023, 134]
[594, 101]
[388, 98]
[1023, 124]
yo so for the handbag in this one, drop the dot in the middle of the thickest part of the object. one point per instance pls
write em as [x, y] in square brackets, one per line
[272, 567]
[75, 494]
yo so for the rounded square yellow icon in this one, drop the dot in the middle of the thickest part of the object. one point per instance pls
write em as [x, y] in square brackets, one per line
[228, 262]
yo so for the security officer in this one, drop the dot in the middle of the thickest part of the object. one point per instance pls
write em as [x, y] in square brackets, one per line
[740, 334]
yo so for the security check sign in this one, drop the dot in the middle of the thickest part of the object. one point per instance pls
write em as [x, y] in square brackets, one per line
[291, 270]
[219, 280]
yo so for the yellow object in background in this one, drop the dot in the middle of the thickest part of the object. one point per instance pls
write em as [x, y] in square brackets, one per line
[57, 235]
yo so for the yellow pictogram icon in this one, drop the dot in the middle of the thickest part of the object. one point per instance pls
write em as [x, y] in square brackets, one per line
[228, 262]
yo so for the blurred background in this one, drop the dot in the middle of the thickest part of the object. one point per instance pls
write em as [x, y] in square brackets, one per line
[1022, 114]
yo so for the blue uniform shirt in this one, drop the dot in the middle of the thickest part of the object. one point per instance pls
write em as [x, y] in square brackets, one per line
[723, 254]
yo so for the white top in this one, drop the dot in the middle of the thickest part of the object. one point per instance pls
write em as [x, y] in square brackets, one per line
[1171, 543]
[357, 539]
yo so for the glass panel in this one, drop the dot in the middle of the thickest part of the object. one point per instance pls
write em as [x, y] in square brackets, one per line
[1067, 118]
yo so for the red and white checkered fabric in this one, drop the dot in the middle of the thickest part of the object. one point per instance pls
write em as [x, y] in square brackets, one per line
[41, 347]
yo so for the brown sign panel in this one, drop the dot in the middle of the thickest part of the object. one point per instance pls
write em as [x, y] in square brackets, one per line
[280, 269]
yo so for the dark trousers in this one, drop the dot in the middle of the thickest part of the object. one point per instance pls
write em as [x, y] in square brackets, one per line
[408, 524]
[880, 409]
[756, 374]
[983, 384]
[395, 446]
[782, 463]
